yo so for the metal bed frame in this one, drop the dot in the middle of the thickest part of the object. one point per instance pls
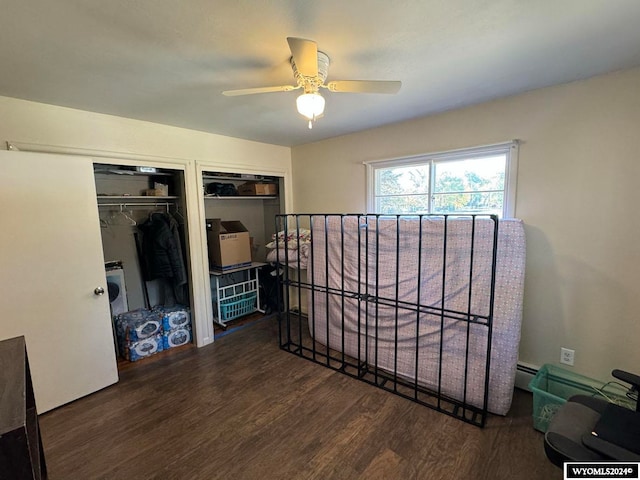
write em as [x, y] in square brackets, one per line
[295, 326]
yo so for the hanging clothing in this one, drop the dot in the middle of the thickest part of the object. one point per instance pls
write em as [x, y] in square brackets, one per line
[162, 252]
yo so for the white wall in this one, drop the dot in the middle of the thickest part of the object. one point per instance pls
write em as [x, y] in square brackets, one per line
[35, 123]
[578, 179]
[31, 122]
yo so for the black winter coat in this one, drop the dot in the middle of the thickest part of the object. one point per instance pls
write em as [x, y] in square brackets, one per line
[162, 249]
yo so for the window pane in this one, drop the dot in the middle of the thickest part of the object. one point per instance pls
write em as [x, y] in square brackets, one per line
[402, 204]
[471, 180]
[402, 180]
[478, 174]
[486, 202]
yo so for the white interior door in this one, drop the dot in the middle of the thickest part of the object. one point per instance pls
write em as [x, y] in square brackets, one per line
[51, 258]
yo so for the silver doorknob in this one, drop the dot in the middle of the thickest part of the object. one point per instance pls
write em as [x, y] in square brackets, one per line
[99, 291]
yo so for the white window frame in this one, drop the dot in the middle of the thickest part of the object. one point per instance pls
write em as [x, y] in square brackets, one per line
[510, 149]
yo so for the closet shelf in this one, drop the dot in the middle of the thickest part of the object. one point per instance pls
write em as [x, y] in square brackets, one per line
[115, 171]
[134, 198]
[239, 197]
[251, 178]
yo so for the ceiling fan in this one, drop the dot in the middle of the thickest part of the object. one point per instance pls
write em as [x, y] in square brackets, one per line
[310, 67]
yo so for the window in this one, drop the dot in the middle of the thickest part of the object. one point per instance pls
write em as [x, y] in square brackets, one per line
[473, 180]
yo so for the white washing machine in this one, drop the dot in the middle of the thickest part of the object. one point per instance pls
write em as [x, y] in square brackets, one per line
[117, 294]
[116, 288]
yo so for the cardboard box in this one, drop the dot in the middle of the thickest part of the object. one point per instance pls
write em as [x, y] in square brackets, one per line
[158, 190]
[228, 243]
[255, 188]
[162, 189]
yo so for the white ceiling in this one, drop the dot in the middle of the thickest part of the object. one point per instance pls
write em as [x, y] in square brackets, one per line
[167, 61]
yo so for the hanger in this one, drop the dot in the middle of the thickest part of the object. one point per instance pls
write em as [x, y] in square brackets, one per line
[165, 208]
[177, 213]
[123, 216]
[124, 213]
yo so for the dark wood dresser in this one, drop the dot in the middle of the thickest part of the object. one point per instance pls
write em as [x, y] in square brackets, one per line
[21, 454]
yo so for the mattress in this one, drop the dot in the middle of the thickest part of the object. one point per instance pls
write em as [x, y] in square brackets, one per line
[385, 271]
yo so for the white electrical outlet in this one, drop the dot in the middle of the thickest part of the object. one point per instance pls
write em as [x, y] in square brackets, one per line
[567, 356]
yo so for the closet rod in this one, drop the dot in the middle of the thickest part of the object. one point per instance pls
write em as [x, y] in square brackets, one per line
[137, 204]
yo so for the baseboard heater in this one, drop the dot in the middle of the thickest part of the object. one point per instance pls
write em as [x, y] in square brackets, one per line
[524, 373]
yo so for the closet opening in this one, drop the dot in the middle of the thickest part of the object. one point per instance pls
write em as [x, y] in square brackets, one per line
[144, 232]
[243, 284]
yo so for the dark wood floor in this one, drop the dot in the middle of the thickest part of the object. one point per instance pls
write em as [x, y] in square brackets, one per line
[243, 409]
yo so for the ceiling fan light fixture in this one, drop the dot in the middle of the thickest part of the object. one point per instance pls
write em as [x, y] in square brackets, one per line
[310, 105]
[310, 67]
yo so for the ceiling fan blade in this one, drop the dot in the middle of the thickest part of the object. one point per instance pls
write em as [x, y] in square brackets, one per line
[305, 55]
[364, 86]
[251, 91]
